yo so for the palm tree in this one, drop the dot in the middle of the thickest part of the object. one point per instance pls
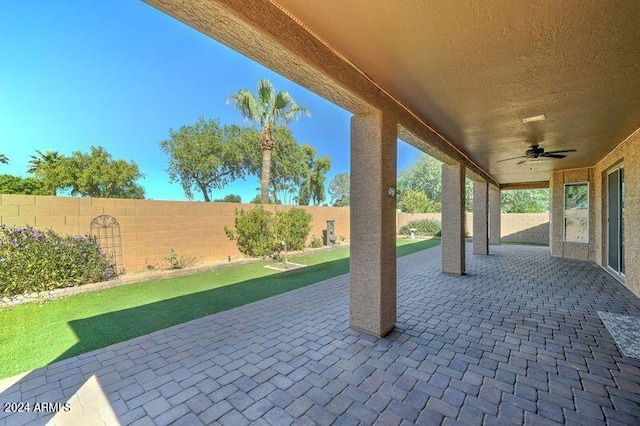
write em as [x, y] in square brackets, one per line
[4, 159]
[43, 159]
[267, 108]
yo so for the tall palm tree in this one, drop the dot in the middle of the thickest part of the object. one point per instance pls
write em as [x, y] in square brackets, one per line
[4, 159]
[43, 159]
[267, 108]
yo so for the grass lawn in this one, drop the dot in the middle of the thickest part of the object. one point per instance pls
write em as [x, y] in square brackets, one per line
[36, 334]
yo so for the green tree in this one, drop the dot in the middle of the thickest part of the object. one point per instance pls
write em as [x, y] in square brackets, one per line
[418, 202]
[297, 172]
[43, 160]
[94, 174]
[267, 108]
[205, 156]
[339, 190]
[312, 190]
[425, 175]
[525, 201]
[229, 198]
[17, 185]
[4, 159]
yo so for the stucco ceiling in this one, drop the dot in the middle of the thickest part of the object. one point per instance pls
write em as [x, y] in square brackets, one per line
[472, 69]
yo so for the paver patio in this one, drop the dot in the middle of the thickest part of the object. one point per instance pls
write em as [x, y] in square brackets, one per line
[517, 340]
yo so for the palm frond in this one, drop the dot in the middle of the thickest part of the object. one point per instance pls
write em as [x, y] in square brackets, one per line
[247, 105]
[265, 92]
[287, 110]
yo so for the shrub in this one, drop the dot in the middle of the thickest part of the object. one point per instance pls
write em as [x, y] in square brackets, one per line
[173, 261]
[418, 202]
[260, 233]
[292, 227]
[315, 242]
[424, 227]
[34, 261]
[253, 232]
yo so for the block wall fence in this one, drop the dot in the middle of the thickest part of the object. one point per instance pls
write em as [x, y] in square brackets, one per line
[514, 227]
[151, 229]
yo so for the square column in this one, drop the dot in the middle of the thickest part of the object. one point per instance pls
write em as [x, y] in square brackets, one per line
[372, 302]
[453, 218]
[480, 218]
[495, 214]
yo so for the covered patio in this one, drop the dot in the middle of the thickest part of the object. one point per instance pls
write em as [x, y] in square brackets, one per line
[511, 95]
[518, 339]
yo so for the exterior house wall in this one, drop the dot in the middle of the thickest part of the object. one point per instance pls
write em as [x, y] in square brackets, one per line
[560, 247]
[627, 154]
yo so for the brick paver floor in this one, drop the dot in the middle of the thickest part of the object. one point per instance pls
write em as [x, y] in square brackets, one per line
[517, 340]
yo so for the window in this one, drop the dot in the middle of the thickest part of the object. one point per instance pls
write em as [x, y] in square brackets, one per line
[576, 212]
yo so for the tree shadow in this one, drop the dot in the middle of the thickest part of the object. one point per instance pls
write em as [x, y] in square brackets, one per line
[538, 235]
[114, 327]
[101, 331]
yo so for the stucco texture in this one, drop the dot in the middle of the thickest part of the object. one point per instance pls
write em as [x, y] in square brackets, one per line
[625, 155]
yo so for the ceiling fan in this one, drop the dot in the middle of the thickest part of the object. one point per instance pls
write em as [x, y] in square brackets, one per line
[537, 152]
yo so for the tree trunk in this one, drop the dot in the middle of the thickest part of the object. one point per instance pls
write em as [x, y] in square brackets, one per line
[267, 143]
[264, 176]
[203, 188]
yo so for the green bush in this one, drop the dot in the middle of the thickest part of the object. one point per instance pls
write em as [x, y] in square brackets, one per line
[260, 233]
[34, 261]
[316, 242]
[253, 232]
[292, 227]
[423, 227]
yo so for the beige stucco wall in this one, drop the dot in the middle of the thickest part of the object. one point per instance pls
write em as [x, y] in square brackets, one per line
[559, 247]
[514, 227]
[150, 229]
[627, 154]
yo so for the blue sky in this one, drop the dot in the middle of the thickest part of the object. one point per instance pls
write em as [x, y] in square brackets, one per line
[120, 74]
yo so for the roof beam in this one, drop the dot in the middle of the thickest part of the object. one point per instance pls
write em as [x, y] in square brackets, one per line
[525, 185]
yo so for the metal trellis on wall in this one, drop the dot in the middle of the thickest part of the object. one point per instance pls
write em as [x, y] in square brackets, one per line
[107, 229]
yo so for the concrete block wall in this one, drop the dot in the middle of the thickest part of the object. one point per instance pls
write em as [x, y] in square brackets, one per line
[150, 229]
[525, 228]
[514, 227]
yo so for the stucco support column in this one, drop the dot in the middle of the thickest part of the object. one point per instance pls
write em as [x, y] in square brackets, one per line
[495, 214]
[480, 217]
[453, 219]
[372, 307]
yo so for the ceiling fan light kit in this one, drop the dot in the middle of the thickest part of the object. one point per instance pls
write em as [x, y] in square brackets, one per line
[536, 152]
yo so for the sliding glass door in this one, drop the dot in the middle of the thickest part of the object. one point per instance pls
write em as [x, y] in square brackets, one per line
[615, 217]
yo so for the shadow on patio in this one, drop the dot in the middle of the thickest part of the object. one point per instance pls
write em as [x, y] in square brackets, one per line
[518, 340]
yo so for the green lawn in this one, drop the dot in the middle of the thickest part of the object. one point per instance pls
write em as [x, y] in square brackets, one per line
[36, 334]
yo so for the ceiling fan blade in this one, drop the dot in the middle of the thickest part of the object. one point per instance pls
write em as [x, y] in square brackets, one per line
[522, 162]
[561, 151]
[512, 158]
[550, 155]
